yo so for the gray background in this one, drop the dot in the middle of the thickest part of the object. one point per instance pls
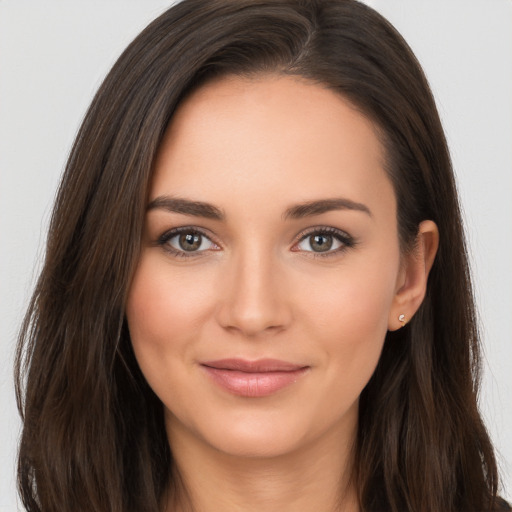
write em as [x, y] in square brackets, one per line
[53, 55]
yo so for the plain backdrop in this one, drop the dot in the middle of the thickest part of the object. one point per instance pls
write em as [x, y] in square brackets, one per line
[53, 56]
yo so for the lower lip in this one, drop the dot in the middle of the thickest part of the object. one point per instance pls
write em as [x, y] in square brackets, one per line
[257, 384]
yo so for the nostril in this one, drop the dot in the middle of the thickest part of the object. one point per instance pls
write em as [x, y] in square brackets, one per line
[251, 320]
[253, 298]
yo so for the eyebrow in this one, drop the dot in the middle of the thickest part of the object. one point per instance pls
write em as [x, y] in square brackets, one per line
[320, 206]
[299, 211]
[186, 207]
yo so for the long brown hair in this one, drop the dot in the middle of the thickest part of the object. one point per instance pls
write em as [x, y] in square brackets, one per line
[93, 436]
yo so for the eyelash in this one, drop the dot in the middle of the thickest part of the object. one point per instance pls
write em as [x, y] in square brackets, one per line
[163, 241]
[347, 241]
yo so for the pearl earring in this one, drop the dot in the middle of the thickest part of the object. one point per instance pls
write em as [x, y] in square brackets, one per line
[401, 318]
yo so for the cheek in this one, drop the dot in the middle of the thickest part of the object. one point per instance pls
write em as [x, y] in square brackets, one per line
[355, 299]
[163, 311]
[351, 320]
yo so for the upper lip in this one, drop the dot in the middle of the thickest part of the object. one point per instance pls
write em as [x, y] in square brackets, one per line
[258, 366]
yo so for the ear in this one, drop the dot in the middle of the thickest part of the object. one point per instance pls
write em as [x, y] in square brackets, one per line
[412, 279]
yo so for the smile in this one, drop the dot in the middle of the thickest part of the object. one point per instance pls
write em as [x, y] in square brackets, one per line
[253, 378]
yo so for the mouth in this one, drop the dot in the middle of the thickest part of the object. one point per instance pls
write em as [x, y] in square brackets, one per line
[253, 379]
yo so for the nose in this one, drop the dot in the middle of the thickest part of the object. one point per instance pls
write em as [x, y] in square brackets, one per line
[254, 298]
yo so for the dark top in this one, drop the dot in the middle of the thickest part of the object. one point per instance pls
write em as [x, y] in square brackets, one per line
[502, 506]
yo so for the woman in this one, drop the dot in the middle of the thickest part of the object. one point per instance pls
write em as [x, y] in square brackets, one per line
[255, 293]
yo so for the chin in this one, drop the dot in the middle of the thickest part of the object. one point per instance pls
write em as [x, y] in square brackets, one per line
[244, 434]
[253, 441]
[265, 433]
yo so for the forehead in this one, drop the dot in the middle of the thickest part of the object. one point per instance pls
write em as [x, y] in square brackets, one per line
[277, 137]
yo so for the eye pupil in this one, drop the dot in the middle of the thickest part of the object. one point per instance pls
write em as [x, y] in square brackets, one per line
[321, 243]
[190, 241]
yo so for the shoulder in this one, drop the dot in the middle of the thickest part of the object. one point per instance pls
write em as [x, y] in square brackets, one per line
[502, 506]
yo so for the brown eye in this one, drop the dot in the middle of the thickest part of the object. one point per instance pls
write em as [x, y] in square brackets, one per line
[325, 241]
[190, 241]
[320, 243]
[186, 242]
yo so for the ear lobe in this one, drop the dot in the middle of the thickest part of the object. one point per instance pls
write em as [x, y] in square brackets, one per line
[413, 276]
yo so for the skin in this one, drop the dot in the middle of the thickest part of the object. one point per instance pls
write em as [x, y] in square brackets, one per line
[256, 289]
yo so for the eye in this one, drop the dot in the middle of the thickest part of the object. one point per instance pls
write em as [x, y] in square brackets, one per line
[324, 241]
[186, 242]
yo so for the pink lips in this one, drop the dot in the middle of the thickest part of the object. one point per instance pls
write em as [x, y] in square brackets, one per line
[253, 378]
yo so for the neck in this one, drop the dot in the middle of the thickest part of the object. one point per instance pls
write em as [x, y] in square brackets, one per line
[316, 477]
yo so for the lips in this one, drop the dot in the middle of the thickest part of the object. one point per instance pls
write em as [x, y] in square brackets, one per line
[254, 379]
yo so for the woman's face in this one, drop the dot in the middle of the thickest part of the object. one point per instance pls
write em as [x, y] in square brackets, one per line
[269, 267]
